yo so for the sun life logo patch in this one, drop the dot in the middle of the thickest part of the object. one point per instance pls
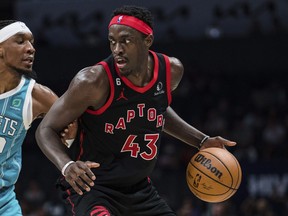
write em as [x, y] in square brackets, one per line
[16, 102]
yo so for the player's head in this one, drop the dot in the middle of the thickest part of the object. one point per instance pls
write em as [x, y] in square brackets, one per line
[16, 47]
[130, 36]
[141, 13]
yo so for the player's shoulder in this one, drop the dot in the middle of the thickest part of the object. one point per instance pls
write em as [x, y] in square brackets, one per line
[177, 71]
[175, 62]
[90, 72]
[90, 75]
[89, 81]
[42, 91]
[43, 98]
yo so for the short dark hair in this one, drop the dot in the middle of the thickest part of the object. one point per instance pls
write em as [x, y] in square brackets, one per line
[139, 12]
[4, 23]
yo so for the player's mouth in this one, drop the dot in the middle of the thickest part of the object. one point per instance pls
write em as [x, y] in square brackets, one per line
[28, 61]
[120, 62]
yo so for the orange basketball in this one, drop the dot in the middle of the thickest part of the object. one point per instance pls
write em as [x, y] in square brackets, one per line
[213, 175]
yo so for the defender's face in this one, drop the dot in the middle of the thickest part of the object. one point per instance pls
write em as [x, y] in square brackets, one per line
[17, 52]
[128, 48]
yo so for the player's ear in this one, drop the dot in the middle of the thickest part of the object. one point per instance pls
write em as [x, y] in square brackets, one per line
[149, 40]
[1, 52]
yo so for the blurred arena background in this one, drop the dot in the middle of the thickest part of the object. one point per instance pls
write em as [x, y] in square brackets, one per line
[235, 54]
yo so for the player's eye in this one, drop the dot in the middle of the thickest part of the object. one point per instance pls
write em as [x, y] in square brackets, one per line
[112, 42]
[20, 41]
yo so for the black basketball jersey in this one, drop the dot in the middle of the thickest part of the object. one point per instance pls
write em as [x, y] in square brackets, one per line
[124, 135]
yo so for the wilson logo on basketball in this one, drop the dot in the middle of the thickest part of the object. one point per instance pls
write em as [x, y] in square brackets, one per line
[207, 163]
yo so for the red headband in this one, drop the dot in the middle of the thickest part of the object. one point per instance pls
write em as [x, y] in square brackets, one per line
[131, 22]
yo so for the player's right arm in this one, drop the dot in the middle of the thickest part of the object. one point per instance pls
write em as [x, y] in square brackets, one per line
[89, 88]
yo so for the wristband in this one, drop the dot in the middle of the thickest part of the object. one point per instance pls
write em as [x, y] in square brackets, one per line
[65, 167]
[203, 140]
[69, 142]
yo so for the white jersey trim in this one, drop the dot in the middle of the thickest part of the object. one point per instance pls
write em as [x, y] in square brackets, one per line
[28, 106]
[13, 91]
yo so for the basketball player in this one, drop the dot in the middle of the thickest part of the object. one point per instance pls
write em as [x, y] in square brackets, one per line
[123, 103]
[21, 101]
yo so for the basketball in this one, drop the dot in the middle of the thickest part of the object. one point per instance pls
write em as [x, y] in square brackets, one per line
[213, 175]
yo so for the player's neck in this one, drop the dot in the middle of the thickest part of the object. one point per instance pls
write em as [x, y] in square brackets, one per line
[8, 81]
[144, 75]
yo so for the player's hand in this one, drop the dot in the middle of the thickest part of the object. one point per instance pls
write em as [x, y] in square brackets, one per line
[69, 133]
[218, 142]
[80, 176]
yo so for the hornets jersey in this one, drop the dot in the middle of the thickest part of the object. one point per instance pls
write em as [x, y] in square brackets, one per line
[124, 135]
[15, 119]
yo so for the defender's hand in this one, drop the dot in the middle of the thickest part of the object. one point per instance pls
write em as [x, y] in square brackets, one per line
[69, 133]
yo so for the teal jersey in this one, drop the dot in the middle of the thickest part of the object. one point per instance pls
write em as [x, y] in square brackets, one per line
[15, 119]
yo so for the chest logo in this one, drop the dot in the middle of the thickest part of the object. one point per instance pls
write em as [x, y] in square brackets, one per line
[16, 102]
[121, 95]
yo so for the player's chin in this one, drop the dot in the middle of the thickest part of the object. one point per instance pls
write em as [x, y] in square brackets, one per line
[28, 72]
[124, 71]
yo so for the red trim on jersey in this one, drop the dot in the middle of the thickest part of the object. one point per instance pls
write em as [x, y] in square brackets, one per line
[81, 138]
[109, 101]
[150, 84]
[71, 202]
[168, 79]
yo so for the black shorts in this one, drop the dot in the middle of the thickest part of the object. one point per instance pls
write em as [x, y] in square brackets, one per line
[141, 199]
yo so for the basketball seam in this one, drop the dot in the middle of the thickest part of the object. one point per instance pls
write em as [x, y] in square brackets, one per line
[211, 178]
[239, 171]
[220, 194]
[224, 166]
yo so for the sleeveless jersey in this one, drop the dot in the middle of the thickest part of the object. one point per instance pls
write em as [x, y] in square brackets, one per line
[15, 120]
[124, 135]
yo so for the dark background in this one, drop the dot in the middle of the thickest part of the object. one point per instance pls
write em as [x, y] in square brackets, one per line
[235, 85]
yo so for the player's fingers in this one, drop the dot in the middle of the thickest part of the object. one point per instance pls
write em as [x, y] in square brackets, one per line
[76, 184]
[64, 132]
[88, 180]
[88, 170]
[77, 178]
[225, 142]
[81, 182]
[85, 167]
[231, 143]
[92, 164]
[75, 187]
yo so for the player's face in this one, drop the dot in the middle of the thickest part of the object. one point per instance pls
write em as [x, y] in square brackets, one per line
[17, 53]
[128, 48]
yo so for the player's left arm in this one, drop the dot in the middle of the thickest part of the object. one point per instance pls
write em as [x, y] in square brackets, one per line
[180, 129]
